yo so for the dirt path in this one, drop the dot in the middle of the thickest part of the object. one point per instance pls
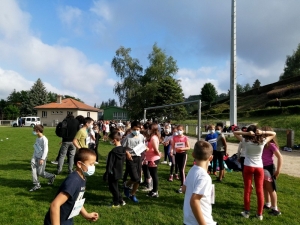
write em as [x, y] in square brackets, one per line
[291, 160]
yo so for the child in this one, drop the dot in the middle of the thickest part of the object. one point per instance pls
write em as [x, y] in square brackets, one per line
[167, 136]
[172, 155]
[198, 188]
[38, 161]
[254, 142]
[70, 193]
[220, 153]
[270, 174]
[114, 168]
[211, 137]
[180, 144]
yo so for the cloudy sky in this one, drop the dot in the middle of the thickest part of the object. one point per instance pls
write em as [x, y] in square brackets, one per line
[70, 44]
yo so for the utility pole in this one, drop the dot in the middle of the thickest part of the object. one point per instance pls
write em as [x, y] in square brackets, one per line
[233, 96]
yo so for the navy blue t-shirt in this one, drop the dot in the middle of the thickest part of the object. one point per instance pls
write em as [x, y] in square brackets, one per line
[74, 185]
[212, 139]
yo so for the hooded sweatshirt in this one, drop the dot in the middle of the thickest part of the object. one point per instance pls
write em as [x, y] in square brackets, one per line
[115, 162]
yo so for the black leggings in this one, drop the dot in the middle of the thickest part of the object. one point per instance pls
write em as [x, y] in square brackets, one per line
[173, 165]
[180, 160]
[218, 156]
[153, 174]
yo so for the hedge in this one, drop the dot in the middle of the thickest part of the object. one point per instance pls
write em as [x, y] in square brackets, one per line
[280, 92]
[284, 102]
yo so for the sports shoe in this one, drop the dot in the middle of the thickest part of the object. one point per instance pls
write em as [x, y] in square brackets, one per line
[171, 178]
[259, 217]
[146, 188]
[176, 177]
[245, 214]
[115, 206]
[179, 190]
[126, 191]
[164, 162]
[274, 212]
[170, 163]
[266, 207]
[153, 194]
[36, 187]
[122, 203]
[51, 180]
[54, 162]
[133, 198]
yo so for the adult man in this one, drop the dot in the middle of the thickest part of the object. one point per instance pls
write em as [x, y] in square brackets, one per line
[67, 145]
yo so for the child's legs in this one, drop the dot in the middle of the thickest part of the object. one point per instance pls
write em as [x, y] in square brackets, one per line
[181, 160]
[146, 172]
[113, 188]
[41, 170]
[248, 173]
[215, 158]
[169, 151]
[173, 164]
[221, 164]
[34, 166]
[166, 151]
[153, 173]
[259, 180]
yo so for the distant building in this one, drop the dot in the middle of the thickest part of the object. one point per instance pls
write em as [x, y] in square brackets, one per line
[115, 113]
[55, 112]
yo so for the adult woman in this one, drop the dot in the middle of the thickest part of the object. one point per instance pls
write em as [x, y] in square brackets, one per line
[152, 157]
[254, 141]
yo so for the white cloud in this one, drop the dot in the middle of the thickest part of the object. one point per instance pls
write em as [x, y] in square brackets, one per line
[102, 10]
[110, 82]
[69, 14]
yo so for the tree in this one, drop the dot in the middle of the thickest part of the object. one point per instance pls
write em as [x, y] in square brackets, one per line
[239, 89]
[256, 84]
[292, 65]
[208, 93]
[69, 96]
[11, 112]
[36, 96]
[247, 87]
[110, 102]
[52, 97]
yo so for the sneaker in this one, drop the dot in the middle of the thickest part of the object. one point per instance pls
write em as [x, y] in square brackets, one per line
[170, 163]
[267, 207]
[245, 214]
[54, 162]
[179, 190]
[51, 180]
[126, 191]
[146, 188]
[259, 217]
[36, 187]
[122, 203]
[176, 177]
[171, 178]
[115, 206]
[133, 198]
[274, 212]
[164, 162]
[153, 194]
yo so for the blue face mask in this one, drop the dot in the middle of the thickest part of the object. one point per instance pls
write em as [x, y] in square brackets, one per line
[135, 132]
[90, 171]
[34, 132]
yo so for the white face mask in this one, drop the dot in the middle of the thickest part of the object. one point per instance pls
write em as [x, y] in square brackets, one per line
[135, 132]
[90, 171]
[211, 131]
[176, 133]
[180, 132]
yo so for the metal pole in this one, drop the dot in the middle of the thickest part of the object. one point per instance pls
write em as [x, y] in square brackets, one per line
[145, 111]
[199, 121]
[233, 97]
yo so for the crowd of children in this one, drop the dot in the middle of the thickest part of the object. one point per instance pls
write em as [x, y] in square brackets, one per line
[138, 148]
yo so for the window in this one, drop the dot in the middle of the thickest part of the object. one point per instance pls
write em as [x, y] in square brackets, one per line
[44, 114]
[69, 113]
[57, 112]
[115, 115]
[88, 114]
[28, 119]
[33, 119]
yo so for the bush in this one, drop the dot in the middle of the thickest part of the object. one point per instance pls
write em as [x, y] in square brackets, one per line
[284, 102]
[280, 92]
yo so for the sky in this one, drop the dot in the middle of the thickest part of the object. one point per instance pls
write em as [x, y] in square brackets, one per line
[69, 44]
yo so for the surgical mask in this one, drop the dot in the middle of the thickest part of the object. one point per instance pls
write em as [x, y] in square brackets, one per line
[91, 126]
[135, 132]
[218, 131]
[211, 131]
[180, 132]
[34, 132]
[90, 171]
[167, 131]
[175, 133]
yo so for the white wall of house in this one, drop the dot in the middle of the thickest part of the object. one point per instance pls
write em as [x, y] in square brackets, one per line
[93, 115]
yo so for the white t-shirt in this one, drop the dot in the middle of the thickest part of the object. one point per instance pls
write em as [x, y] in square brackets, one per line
[89, 139]
[253, 153]
[198, 182]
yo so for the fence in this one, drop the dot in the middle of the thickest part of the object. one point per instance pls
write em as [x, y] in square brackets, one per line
[5, 122]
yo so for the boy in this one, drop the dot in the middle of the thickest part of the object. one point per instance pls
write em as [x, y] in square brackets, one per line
[198, 188]
[133, 161]
[38, 161]
[114, 167]
[80, 138]
[211, 137]
[70, 193]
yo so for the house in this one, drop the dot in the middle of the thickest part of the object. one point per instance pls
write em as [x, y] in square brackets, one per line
[53, 113]
[115, 113]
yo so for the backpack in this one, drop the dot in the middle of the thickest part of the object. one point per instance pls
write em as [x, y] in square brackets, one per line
[62, 129]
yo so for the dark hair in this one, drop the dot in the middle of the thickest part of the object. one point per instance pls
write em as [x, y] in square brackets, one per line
[87, 120]
[202, 150]
[115, 135]
[80, 119]
[256, 138]
[220, 124]
[39, 127]
[178, 126]
[135, 124]
[83, 154]
[70, 116]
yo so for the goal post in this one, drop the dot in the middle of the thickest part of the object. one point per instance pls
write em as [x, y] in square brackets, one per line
[199, 133]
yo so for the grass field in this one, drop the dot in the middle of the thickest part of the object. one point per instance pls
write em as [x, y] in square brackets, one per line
[21, 207]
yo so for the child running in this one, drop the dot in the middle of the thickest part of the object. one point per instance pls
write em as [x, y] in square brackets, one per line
[114, 167]
[38, 161]
[198, 188]
[181, 145]
[254, 142]
[70, 194]
[271, 173]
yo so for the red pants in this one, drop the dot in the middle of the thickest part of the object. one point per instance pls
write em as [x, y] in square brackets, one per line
[258, 174]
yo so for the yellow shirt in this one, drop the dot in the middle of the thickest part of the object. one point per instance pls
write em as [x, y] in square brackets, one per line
[81, 135]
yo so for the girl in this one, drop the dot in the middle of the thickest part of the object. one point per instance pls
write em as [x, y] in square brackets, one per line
[152, 157]
[167, 145]
[271, 174]
[172, 155]
[220, 153]
[254, 142]
[180, 144]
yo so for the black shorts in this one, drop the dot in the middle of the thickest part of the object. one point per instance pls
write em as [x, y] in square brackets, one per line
[134, 168]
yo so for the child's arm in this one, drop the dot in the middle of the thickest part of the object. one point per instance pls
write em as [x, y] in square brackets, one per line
[279, 163]
[183, 189]
[60, 199]
[93, 216]
[196, 208]
[239, 150]
[224, 144]
[45, 151]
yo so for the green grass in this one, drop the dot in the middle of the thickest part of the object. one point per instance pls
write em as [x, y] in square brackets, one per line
[21, 207]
